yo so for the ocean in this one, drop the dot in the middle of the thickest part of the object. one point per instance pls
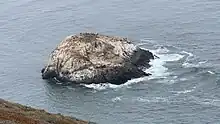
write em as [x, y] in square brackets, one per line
[184, 87]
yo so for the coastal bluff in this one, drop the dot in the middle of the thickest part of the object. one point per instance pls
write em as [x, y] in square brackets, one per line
[96, 58]
[12, 113]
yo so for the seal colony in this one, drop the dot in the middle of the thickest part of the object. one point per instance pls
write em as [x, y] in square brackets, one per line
[95, 58]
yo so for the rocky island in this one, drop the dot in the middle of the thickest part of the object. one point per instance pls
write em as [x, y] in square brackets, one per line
[12, 113]
[96, 58]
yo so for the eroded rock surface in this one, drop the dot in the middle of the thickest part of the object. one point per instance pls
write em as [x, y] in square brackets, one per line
[96, 58]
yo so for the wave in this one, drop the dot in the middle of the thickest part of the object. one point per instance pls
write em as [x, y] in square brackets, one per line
[147, 41]
[160, 50]
[184, 91]
[151, 100]
[206, 101]
[104, 86]
[116, 99]
[210, 72]
[157, 69]
[192, 62]
[187, 53]
[187, 64]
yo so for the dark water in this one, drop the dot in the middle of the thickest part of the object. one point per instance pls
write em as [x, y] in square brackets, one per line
[184, 87]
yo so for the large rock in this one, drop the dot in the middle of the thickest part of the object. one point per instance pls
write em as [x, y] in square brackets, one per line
[95, 58]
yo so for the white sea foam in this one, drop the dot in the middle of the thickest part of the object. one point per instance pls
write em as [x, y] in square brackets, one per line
[202, 62]
[157, 69]
[187, 64]
[210, 72]
[151, 100]
[183, 79]
[183, 92]
[188, 53]
[104, 86]
[160, 50]
[147, 41]
[191, 65]
[116, 99]
[190, 62]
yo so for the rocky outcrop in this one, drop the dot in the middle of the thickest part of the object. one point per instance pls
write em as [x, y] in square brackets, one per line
[12, 113]
[95, 58]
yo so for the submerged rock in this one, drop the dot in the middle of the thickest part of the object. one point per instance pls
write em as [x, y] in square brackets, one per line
[95, 58]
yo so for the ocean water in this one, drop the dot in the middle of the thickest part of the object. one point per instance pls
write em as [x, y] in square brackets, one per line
[185, 84]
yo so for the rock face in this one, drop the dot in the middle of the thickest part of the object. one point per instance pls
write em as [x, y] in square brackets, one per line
[95, 58]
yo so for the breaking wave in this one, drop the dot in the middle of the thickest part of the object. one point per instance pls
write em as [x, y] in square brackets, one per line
[157, 69]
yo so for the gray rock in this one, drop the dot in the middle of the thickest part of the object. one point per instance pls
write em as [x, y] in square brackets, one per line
[95, 58]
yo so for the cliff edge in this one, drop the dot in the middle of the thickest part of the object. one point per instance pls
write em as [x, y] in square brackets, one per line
[12, 113]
